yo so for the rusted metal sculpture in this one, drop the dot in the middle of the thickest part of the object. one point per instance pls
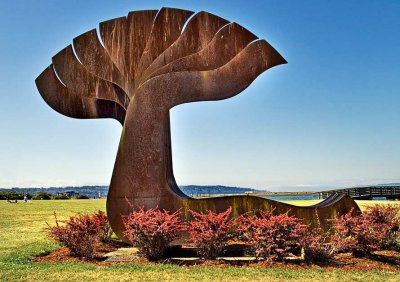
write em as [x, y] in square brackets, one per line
[147, 63]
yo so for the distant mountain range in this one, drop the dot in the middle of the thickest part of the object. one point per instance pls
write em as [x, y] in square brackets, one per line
[102, 191]
[91, 191]
[216, 189]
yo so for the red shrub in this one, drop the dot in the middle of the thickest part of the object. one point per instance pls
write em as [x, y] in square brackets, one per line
[105, 230]
[359, 234]
[245, 226]
[272, 237]
[388, 218]
[316, 243]
[79, 234]
[152, 230]
[210, 232]
[342, 239]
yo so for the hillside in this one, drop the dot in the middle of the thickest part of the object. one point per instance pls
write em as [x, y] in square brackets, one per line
[215, 189]
[93, 191]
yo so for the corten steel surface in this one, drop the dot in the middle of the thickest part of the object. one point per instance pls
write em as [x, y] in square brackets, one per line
[145, 64]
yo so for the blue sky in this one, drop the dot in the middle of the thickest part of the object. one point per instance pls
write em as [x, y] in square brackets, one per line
[330, 117]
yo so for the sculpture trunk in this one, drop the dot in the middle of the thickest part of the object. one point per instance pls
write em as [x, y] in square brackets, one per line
[143, 167]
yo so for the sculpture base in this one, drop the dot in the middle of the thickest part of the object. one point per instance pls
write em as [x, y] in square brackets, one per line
[336, 204]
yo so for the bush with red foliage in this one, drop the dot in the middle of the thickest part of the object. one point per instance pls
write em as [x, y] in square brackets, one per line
[210, 232]
[80, 233]
[152, 230]
[316, 242]
[359, 234]
[105, 230]
[388, 218]
[272, 237]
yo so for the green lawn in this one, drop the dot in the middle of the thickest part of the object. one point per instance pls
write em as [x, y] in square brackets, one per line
[361, 203]
[22, 236]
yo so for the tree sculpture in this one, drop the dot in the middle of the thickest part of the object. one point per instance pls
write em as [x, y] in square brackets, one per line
[147, 63]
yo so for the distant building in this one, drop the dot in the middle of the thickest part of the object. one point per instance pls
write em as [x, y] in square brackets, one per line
[69, 194]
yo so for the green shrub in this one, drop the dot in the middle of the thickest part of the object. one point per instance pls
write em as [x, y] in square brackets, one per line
[13, 195]
[42, 196]
[60, 197]
[82, 197]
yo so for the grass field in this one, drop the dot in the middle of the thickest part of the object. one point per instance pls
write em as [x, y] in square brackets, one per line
[22, 236]
[361, 203]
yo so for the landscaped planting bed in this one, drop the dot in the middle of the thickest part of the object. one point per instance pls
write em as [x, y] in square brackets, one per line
[370, 240]
[26, 254]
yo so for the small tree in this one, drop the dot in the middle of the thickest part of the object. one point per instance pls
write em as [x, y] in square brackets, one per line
[42, 196]
[210, 232]
[152, 230]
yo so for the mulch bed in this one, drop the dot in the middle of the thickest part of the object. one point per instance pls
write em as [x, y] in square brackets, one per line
[379, 260]
[62, 254]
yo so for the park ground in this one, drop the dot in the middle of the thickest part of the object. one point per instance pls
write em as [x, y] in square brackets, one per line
[22, 236]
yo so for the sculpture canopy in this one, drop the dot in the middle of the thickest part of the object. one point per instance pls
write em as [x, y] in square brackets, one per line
[145, 64]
